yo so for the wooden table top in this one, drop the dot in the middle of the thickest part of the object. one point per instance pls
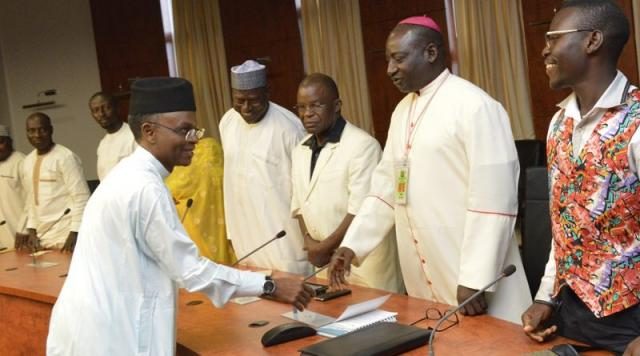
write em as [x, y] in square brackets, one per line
[207, 330]
[41, 284]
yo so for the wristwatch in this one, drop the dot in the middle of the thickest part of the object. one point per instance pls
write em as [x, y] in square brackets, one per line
[269, 286]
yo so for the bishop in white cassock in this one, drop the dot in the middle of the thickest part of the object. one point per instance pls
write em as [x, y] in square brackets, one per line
[447, 181]
[12, 211]
[258, 137]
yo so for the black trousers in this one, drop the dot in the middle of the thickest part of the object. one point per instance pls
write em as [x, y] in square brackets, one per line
[613, 332]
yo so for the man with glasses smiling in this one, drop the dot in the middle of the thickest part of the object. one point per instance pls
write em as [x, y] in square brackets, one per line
[591, 287]
[133, 253]
[258, 137]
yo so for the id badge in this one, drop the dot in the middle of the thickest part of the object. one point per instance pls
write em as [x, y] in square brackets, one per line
[402, 182]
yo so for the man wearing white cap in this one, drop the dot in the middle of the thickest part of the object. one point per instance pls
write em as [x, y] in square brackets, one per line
[258, 137]
[12, 213]
[447, 181]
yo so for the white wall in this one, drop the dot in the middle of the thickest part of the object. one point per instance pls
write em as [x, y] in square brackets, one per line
[50, 45]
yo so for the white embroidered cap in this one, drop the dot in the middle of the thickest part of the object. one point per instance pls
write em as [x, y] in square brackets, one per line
[248, 75]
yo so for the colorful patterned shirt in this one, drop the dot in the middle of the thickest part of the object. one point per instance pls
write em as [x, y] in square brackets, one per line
[595, 210]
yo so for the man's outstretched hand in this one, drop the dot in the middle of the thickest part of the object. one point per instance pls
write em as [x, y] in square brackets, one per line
[293, 291]
[340, 267]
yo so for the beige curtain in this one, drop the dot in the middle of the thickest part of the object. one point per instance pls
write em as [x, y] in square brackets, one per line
[492, 55]
[333, 46]
[201, 59]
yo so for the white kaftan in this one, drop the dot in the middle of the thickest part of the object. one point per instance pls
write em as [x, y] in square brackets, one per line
[132, 254]
[338, 186]
[55, 183]
[257, 188]
[13, 196]
[114, 147]
[457, 225]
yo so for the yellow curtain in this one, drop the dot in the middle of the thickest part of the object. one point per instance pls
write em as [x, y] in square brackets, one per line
[201, 181]
[201, 59]
[492, 55]
[333, 45]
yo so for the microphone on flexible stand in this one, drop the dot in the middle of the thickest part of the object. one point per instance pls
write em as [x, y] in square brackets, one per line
[189, 203]
[278, 236]
[36, 243]
[506, 272]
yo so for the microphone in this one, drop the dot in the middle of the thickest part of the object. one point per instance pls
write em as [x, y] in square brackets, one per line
[278, 236]
[189, 203]
[37, 243]
[506, 272]
[66, 211]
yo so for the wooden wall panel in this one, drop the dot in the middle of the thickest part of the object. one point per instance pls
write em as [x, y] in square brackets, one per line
[130, 43]
[268, 30]
[537, 15]
[378, 19]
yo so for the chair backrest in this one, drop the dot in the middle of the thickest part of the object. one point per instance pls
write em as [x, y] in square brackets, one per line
[536, 226]
[531, 153]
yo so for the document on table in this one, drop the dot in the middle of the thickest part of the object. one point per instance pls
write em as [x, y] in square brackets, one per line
[355, 317]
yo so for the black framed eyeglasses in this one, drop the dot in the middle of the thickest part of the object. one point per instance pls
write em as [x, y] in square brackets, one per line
[189, 134]
[436, 314]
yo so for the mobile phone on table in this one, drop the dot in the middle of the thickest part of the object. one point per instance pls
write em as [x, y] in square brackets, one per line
[332, 295]
[317, 288]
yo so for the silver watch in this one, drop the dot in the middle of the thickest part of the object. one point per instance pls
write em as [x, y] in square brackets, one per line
[269, 286]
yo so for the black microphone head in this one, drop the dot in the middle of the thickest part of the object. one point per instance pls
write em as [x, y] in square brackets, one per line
[281, 234]
[189, 202]
[66, 211]
[507, 271]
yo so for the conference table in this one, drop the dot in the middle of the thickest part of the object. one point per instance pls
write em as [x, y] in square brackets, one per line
[27, 295]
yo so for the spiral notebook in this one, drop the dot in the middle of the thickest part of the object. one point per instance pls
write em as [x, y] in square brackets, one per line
[356, 316]
[357, 322]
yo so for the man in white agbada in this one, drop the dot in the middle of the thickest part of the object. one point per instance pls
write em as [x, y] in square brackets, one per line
[57, 189]
[133, 253]
[447, 180]
[118, 143]
[331, 172]
[12, 211]
[258, 137]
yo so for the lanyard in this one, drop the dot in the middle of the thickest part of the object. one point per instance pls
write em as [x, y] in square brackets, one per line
[411, 126]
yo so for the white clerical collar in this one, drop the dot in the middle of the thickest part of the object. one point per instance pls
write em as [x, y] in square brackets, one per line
[611, 97]
[431, 87]
[147, 156]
